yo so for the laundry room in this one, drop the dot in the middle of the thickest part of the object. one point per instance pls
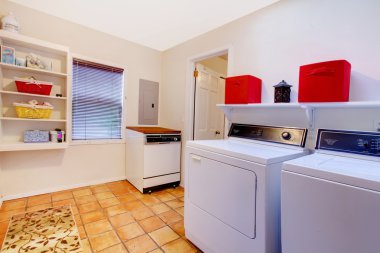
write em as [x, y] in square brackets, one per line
[159, 126]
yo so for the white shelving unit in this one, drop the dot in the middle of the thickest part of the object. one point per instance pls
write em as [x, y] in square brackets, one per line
[21, 146]
[11, 127]
[30, 70]
[309, 108]
[30, 95]
[353, 104]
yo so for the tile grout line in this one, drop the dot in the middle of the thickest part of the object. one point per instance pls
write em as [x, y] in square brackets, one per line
[137, 197]
[108, 219]
[80, 217]
[157, 215]
[113, 227]
[145, 233]
[166, 224]
[129, 212]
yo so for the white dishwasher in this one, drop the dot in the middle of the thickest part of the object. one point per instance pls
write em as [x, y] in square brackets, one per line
[153, 157]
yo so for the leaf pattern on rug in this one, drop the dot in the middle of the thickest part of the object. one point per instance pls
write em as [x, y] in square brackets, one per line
[43, 231]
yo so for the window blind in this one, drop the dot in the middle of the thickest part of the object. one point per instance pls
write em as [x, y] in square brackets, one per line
[97, 99]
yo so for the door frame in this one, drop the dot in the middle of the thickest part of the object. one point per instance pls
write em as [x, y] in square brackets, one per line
[190, 82]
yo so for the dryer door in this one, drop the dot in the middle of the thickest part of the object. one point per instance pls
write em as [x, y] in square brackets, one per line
[224, 191]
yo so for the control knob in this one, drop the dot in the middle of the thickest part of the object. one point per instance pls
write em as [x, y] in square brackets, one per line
[286, 135]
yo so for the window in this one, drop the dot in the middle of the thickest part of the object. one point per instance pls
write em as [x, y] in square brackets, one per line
[97, 95]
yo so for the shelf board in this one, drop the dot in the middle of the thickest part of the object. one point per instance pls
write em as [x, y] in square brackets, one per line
[21, 146]
[31, 95]
[259, 105]
[31, 70]
[341, 105]
[32, 43]
[26, 119]
[309, 108]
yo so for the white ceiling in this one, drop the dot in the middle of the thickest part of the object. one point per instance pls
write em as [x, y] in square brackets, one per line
[159, 24]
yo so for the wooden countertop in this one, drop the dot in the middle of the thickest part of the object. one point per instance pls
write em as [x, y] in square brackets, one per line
[153, 130]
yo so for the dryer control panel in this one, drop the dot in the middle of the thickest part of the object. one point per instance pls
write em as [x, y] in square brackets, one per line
[283, 135]
[355, 142]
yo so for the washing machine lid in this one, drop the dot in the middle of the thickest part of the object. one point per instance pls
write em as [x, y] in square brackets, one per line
[347, 157]
[345, 170]
[262, 153]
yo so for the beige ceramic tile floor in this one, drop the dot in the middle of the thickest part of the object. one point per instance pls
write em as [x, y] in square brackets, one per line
[116, 218]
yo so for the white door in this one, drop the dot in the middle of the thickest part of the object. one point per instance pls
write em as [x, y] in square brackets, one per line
[208, 120]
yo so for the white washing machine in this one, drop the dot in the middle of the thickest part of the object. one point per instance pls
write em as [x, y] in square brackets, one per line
[331, 199]
[232, 197]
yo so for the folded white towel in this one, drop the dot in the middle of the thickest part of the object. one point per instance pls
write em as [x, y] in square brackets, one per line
[33, 102]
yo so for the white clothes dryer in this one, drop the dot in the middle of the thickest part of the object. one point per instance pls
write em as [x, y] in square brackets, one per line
[331, 199]
[232, 196]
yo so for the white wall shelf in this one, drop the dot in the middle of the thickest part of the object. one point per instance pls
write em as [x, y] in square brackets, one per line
[308, 108]
[31, 70]
[36, 120]
[32, 43]
[278, 105]
[21, 146]
[30, 95]
[12, 128]
[342, 105]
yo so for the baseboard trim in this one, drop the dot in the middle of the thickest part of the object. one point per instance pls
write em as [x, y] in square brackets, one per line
[60, 188]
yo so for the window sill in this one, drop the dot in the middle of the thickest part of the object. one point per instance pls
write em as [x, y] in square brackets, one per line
[96, 142]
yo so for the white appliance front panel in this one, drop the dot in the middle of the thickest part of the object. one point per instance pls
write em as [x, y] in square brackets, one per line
[224, 191]
[323, 216]
[161, 159]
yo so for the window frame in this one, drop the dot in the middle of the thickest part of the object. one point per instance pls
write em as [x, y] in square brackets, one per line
[123, 110]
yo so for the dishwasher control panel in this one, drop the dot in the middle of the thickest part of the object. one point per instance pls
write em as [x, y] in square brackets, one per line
[355, 142]
[162, 138]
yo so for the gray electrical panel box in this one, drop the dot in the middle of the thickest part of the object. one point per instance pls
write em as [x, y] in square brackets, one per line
[148, 102]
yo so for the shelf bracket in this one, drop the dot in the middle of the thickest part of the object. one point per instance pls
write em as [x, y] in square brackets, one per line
[310, 115]
[227, 111]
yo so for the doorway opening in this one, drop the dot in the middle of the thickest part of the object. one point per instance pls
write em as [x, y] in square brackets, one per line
[208, 122]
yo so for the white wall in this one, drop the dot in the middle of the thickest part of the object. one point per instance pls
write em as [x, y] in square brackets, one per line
[270, 44]
[273, 42]
[37, 171]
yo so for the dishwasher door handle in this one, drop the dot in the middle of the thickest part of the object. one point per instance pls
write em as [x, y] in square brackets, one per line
[196, 158]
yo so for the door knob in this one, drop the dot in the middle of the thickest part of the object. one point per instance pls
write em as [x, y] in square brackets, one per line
[217, 132]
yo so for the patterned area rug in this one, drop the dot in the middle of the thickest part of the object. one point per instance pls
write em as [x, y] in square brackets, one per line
[48, 230]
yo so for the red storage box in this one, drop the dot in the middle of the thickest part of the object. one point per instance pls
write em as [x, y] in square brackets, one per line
[243, 90]
[33, 86]
[325, 82]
